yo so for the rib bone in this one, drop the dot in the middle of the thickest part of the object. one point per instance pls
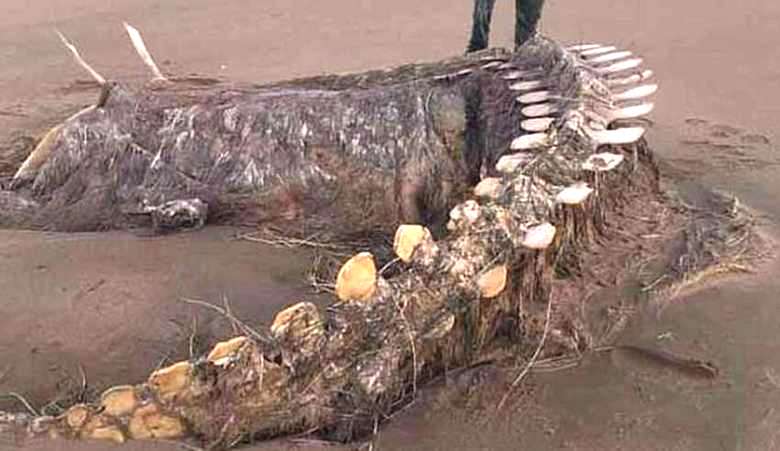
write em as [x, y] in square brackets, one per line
[539, 124]
[542, 109]
[98, 78]
[620, 66]
[140, 48]
[531, 141]
[609, 57]
[598, 50]
[581, 47]
[626, 135]
[631, 79]
[534, 97]
[639, 92]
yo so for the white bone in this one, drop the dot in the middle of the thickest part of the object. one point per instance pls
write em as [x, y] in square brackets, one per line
[492, 65]
[464, 72]
[542, 109]
[510, 163]
[143, 52]
[631, 79]
[574, 194]
[490, 187]
[598, 51]
[581, 47]
[92, 72]
[530, 141]
[625, 135]
[631, 112]
[539, 124]
[539, 236]
[506, 66]
[513, 75]
[526, 85]
[639, 92]
[609, 57]
[498, 58]
[534, 97]
[620, 66]
[599, 162]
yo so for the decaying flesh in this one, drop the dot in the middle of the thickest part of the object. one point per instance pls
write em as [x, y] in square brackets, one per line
[401, 147]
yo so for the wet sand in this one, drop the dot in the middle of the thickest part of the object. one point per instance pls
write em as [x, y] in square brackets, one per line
[113, 301]
[716, 124]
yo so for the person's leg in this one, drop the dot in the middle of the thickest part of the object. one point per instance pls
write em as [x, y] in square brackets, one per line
[527, 14]
[480, 30]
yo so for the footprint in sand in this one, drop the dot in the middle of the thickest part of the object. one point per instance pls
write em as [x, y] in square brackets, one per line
[726, 147]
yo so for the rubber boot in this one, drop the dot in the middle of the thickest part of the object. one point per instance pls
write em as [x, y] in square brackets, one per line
[527, 14]
[480, 30]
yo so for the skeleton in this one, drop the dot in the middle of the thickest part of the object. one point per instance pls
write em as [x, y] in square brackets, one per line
[570, 155]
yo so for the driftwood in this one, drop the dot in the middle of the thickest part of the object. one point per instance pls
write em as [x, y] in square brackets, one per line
[406, 146]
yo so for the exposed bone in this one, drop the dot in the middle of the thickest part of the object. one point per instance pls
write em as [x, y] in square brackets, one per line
[630, 112]
[539, 124]
[598, 51]
[620, 66]
[526, 85]
[492, 65]
[407, 238]
[530, 141]
[581, 47]
[543, 109]
[534, 97]
[149, 422]
[76, 417]
[371, 354]
[609, 57]
[225, 349]
[119, 401]
[285, 317]
[492, 57]
[625, 135]
[143, 52]
[92, 72]
[463, 72]
[171, 381]
[38, 156]
[356, 280]
[299, 326]
[489, 187]
[507, 66]
[43, 151]
[639, 92]
[111, 433]
[574, 194]
[518, 74]
[631, 79]
[539, 236]
[492, 282]
[508, 164]
[605, 161]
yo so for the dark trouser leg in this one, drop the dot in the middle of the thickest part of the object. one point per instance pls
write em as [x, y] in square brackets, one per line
[480, 30]
[527, 14]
